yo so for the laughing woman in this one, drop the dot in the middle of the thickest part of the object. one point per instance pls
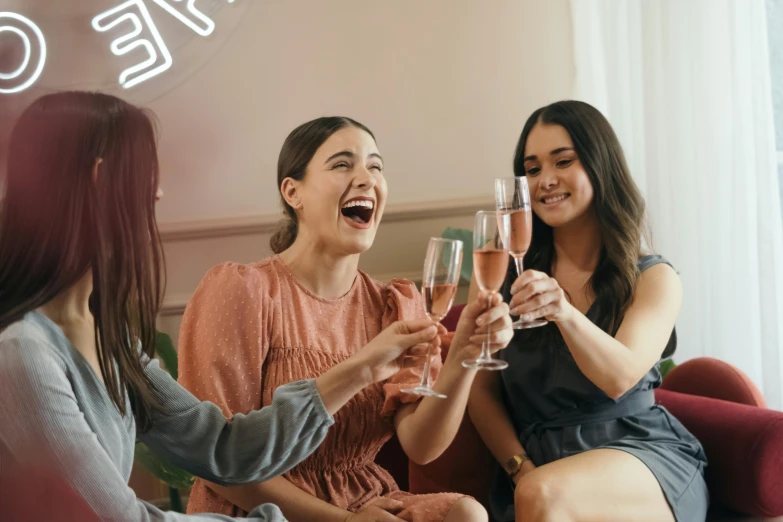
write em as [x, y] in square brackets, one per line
[252, 328]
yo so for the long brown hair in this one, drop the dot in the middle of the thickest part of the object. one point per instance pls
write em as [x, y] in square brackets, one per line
[617, 203]
[58, 222]
[298, 149]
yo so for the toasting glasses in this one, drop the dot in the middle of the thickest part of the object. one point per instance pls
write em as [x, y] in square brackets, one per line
[512, 197]
[490, 264]
[439, 286]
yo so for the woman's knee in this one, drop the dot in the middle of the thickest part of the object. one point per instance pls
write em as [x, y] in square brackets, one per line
[539, 497]
[467, 510]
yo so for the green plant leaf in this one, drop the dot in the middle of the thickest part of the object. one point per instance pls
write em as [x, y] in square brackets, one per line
[466, 236]
[164, 348]
[172, 475]
[666, 366]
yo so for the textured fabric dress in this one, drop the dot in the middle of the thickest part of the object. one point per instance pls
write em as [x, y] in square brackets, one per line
[251, 328]
[56, 415]
[558, 412]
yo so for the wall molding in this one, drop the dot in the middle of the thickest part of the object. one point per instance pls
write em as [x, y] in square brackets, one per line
[267, 223]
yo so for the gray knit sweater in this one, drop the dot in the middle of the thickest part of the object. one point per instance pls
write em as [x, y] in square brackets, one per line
[55, 412]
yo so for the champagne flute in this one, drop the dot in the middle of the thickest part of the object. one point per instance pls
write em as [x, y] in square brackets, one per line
[490, 264]
[512, 197]
[439, 286]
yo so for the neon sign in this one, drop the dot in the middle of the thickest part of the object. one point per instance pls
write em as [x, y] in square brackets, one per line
[109, 20]
[196, 20]
[208, 26]
[131, 17]
[26, 74]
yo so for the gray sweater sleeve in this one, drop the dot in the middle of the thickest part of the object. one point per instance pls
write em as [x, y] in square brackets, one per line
[247, 448]
[43, 425]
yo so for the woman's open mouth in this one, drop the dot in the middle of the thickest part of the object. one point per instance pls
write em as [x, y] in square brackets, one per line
[357, 212]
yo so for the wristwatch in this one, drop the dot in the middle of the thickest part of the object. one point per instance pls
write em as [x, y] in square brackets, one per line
[514, 464]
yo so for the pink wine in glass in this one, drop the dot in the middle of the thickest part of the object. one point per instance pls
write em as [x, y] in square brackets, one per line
[490, 267]
[438, 299]
[520, 231]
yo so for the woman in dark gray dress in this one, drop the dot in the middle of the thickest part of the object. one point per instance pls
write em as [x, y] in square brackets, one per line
[573, 420]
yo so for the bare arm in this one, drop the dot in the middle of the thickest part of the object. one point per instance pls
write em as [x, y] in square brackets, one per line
[614, 364]
[489, 416]
[415, 422]
[426, 428]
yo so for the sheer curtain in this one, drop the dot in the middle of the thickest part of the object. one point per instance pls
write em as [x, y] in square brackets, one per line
[686, 85]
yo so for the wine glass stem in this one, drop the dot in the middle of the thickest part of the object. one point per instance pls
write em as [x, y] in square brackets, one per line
[518, 263]
[486, 355]
[425, 374]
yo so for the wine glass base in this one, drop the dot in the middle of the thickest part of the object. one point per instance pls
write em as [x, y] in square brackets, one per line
[424, 391]
[485, 364]
[519, 324]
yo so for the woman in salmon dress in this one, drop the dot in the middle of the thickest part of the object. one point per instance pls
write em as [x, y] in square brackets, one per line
[252, 328]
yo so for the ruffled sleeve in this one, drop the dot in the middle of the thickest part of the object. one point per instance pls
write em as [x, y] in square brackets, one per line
[404, 302]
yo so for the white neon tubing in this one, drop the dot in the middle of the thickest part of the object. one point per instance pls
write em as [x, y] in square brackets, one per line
[202, 31]
[28, 52]
[119, 48]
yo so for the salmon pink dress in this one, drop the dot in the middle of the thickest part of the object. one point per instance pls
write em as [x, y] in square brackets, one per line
[251, 328]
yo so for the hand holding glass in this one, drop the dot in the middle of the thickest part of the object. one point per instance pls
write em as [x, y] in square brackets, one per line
[439, 285]
[490, 264]
[512, 197]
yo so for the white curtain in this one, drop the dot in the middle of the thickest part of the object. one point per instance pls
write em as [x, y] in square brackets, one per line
[686, 85]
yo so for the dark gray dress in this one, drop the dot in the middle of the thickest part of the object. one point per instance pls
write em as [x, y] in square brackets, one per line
[558, 412]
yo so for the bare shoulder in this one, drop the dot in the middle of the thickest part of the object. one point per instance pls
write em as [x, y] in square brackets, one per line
[658, 286]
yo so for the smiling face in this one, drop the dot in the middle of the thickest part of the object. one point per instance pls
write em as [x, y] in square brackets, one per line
[560, 188]
[340, 200]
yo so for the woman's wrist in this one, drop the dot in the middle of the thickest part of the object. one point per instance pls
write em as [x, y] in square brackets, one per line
[526, 468]
[338, 384]
[458, 352]
[567, 316]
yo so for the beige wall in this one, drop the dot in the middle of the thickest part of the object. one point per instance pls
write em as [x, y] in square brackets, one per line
[445, 84]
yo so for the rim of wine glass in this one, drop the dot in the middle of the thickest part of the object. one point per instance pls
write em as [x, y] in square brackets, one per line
[523, 178]
[445, 240]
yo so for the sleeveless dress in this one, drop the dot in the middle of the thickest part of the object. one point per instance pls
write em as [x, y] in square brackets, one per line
[251, 328]
[558, 412]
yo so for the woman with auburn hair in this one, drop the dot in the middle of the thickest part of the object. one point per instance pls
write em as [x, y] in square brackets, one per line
[80, 288]
[573, 421]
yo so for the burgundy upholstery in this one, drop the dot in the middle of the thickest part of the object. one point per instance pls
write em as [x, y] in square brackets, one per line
[744, 447]
[707, 377]
[743, 442]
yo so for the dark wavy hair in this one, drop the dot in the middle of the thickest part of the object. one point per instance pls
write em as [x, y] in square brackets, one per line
[58, 223]
[617, 203]
[298, 149]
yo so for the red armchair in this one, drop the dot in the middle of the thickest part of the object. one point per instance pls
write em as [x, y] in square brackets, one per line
[743, 441]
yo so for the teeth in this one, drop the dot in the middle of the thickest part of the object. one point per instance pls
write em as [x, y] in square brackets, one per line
[359, 203]
[555, 199]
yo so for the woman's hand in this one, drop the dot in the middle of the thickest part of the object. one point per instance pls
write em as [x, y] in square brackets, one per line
[401, 345]
[379, 511]
[534, 294]
[485, 319]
